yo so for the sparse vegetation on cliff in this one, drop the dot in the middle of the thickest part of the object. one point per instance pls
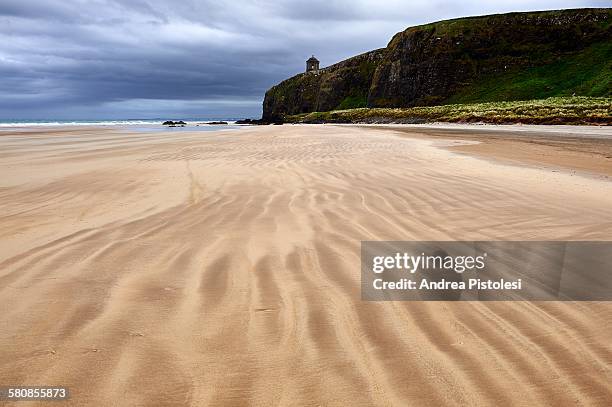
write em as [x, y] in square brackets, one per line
[558, 110]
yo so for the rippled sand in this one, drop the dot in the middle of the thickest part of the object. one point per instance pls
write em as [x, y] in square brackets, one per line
[223, 269]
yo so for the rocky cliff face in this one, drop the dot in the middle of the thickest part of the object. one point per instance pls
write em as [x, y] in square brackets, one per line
[499, 57]
[429, 64]
[343, 85]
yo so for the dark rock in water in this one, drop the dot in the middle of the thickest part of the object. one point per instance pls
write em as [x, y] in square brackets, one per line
[174, 123]
[216, 123]
[246, 121]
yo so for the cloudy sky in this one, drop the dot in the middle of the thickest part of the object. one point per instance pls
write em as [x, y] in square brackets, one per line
[110, 59]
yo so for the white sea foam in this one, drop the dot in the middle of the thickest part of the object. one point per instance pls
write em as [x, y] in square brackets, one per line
[99, 123]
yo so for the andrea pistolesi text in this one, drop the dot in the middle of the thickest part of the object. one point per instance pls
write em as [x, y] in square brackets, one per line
[436, 265]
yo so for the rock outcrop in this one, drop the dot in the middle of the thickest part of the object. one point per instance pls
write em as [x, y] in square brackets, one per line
[512, 56]
[342, 85]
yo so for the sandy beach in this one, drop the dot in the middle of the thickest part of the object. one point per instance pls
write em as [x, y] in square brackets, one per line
[223, 268]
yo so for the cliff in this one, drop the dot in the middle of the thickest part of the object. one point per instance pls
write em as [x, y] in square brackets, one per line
[516, 56]
[344, 85]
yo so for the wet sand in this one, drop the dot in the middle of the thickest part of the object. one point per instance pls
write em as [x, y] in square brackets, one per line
[222, 268]
[578, 149]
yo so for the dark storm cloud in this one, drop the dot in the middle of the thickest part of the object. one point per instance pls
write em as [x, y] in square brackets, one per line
[114, 58]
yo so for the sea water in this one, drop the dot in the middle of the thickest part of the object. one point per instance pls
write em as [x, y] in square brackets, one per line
[139, 125]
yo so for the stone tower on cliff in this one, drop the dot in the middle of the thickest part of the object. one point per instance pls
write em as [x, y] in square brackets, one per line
[312, 65]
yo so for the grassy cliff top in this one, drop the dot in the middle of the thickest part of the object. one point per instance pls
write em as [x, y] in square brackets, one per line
[462, 25]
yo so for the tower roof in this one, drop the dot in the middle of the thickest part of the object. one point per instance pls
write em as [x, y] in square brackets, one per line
[312, 59]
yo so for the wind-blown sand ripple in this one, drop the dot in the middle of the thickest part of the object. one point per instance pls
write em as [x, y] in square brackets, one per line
[223, 269]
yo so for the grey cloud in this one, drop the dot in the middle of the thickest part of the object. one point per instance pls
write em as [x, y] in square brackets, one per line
[202, 58]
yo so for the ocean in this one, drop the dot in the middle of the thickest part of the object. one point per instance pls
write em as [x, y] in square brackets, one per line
[144, 125]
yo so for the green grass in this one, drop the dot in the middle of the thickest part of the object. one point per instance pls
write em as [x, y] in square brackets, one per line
[353, 102]
[588, 73]
[464, 25]
[558, 110]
